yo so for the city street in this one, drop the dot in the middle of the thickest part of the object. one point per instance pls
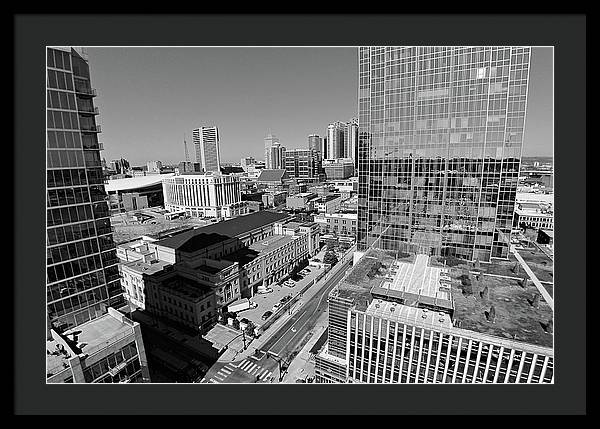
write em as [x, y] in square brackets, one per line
[282, 344]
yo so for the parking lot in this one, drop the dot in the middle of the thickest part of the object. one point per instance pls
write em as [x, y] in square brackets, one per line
[268, 300]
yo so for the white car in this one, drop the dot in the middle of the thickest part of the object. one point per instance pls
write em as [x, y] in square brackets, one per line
[276, 307]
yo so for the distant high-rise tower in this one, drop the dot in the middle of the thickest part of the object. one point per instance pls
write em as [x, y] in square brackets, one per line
[314, 142]
[206, 142]
[274, 153]
[335, 140]
[440, 139]
[351, 140]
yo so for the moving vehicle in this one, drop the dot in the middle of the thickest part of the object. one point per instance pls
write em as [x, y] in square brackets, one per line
[266, 315]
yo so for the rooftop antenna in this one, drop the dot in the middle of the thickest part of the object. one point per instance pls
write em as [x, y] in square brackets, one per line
[187, 155]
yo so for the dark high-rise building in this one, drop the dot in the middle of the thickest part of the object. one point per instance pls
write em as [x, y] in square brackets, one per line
[82, 273]
[440, 138]
[314, 142]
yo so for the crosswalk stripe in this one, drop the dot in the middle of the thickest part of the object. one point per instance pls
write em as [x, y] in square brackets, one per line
[219, 376]
[245, 365]
[251, 367]
[225, 370]
[262, 372]
[213, 381]
[255, 371]
[266, 375]
[230, 367]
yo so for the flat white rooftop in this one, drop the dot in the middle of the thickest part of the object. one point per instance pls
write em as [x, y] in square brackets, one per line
[418, 278]
[406, 314]
[135, 182]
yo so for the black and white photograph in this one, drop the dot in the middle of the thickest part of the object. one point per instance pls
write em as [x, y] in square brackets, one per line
[300, 214]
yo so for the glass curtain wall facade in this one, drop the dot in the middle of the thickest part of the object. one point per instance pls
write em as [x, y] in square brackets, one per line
[440, 139]
[82, 274]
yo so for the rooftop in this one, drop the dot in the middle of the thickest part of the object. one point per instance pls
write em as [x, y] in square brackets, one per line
[231, 228]
[137, 182]
[99, 333]
[271, 243]
[364, 276]
[521, 314]
[271, 175]
[517, 317]
[416, 284]
[146, 267]
[407, 314]
[331, 197]
[183, 286]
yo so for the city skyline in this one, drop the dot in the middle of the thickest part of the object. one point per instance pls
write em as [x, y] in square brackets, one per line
[245, 92]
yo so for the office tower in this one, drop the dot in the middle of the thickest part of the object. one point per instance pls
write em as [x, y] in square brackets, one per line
[324, 152]
[82, 273]
[119, 166]
[351, 140]
[315, 143]
[154, 166]
[339, 168]
[246, 162]
[87, 341]
[206, 142]
[303, 163]
[274, 153]
[335, 140]
[440, 138]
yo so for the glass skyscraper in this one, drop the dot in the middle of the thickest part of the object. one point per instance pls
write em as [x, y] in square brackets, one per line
[82, 274]
[440, 139]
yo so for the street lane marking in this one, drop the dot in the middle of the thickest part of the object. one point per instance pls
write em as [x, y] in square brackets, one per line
[304, 324]
[312, 314]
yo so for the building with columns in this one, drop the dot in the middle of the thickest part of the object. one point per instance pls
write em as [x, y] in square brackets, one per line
[204, 195]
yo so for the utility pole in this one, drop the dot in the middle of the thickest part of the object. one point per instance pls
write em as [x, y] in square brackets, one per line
[277, 359]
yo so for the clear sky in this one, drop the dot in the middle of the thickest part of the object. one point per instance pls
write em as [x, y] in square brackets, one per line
[149, 97]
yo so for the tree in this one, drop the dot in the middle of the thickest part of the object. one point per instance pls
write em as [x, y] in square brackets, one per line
[330, 258]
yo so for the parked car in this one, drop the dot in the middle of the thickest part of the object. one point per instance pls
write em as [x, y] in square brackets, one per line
[266, 315]
[276, 307]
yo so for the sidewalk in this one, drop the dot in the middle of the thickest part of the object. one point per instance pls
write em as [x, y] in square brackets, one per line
[302, 366]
